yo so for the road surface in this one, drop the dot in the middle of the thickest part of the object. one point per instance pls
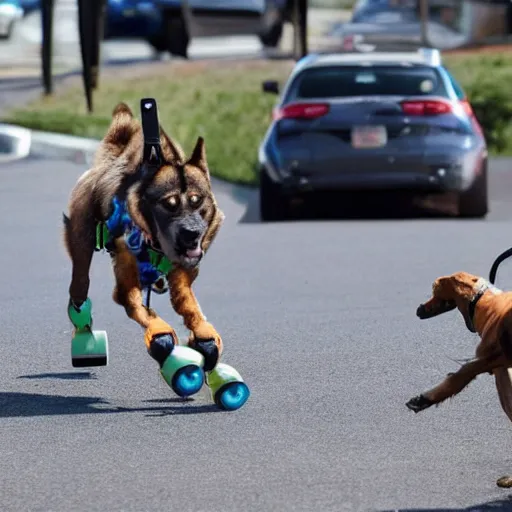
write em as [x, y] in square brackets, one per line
[317, 315]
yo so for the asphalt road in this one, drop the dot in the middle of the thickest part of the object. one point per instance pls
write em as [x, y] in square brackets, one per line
[318, 316]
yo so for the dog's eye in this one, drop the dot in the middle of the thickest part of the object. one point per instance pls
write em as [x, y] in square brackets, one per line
[172, 203]
[194, 200]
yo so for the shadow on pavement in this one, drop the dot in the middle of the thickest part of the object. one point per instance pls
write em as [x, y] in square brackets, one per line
[61, 376]
[354, 206]
[495, 506]
[19, 405]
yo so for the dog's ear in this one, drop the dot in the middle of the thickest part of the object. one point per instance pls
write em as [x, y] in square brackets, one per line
[171, 150]
[198, 157]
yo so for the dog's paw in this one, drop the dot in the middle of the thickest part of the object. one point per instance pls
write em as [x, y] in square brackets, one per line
[206, 340]
[419, 403]
[505, 482]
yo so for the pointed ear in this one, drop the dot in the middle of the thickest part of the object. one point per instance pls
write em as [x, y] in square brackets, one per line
[198, 158]
[170, 149]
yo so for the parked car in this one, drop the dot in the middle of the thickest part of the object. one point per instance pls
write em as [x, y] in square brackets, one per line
[374, 121]
[10, 12]
[390, 25]
[169, 25]
[187, 19]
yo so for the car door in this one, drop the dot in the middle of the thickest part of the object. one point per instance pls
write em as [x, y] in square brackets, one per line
[224, 17]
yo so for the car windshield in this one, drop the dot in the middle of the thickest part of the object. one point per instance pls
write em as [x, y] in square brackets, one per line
[340, 82]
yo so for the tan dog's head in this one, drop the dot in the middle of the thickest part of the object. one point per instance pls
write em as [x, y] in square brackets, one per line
[173, 202]
[450, 292]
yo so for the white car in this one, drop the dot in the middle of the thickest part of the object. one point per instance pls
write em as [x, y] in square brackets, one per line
[10, 13]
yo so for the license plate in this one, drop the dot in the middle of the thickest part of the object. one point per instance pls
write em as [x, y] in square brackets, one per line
[369, 136]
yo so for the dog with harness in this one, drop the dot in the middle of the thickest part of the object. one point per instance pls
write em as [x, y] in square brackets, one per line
[487, 311]
[153, 210]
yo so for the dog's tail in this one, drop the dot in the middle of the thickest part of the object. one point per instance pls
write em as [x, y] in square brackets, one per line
[121, 130]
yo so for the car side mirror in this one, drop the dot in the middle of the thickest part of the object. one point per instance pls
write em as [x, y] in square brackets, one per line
[271, 86]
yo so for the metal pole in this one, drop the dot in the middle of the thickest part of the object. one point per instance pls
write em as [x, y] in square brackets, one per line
[99, 7]
[86, 29]
[46, 48]
[424, 22]
[300, 28]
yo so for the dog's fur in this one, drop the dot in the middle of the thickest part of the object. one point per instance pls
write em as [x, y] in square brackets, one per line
[492, 320]
[176, 209]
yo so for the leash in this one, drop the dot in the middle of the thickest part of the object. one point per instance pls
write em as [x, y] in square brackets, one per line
[497, 262]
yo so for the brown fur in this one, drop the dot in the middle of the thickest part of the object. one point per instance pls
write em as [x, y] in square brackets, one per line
[118, 158]
[493, 323]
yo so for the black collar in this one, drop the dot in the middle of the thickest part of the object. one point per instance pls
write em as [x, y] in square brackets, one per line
[472, 307]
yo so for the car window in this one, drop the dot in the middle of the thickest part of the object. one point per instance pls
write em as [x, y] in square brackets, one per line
[344, 81]
[456, 87]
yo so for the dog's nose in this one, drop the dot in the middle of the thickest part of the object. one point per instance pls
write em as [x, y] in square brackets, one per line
[189, 236]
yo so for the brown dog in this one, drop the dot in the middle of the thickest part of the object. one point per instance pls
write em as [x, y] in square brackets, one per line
[175, 209]
[487, 311]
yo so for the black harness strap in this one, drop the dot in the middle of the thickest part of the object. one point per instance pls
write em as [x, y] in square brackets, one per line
[473, 303]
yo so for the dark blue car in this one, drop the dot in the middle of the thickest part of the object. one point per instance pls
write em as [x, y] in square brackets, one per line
[168, 25]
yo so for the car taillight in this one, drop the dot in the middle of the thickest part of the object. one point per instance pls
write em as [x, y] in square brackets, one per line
[301, 111]
[426, 107]
[469, 111]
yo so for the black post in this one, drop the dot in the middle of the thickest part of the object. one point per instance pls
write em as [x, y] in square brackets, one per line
[303, 27]
[86, 28]
[300, 28]
[98, 7]
[47, 40]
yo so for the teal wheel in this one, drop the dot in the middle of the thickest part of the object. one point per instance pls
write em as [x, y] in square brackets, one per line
[188, 380]
[183, 372]
[89, 348]
[228, 389]
[232, 396]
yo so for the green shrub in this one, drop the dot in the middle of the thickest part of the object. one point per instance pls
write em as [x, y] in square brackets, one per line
[486, 80]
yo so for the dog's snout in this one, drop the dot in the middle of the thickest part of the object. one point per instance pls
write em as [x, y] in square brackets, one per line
[189, 236]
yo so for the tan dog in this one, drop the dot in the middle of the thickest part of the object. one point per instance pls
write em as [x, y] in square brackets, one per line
[487, 311]
[175, 209]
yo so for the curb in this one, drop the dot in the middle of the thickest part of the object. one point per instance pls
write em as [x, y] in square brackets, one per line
[22, 142]
[15, 143]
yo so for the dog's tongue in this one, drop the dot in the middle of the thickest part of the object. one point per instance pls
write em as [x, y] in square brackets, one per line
[194, 253]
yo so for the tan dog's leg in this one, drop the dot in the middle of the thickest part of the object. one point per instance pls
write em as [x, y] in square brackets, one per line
[160, 337]
[204, 337]
[455, 382]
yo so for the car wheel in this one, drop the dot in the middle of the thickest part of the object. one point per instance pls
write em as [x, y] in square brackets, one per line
[176, 35]
[474, 202]
[272, 205]
[8, 33]
[159, 44]
[272, 37]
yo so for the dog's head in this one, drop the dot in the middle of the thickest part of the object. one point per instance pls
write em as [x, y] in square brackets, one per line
[176, 206]
[168, 196]
[450, 292]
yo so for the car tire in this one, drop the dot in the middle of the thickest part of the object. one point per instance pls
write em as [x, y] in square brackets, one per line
[272, 205]
[159, 44]
[176, 34]
[474, 203]
[272, 37]
[8, 34]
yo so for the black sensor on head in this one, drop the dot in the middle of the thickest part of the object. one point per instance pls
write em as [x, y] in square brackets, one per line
[151, 130]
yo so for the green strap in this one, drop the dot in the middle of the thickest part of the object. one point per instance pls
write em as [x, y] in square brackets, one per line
[158, 260]
[102, 235]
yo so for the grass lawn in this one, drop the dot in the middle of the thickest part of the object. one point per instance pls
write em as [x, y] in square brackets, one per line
[221, 101]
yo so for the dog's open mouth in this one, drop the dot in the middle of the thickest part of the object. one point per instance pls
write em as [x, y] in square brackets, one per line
[191, 257]
[434, 307]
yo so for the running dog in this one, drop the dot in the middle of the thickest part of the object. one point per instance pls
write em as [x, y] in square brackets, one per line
[487, 311]
[171, 203]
